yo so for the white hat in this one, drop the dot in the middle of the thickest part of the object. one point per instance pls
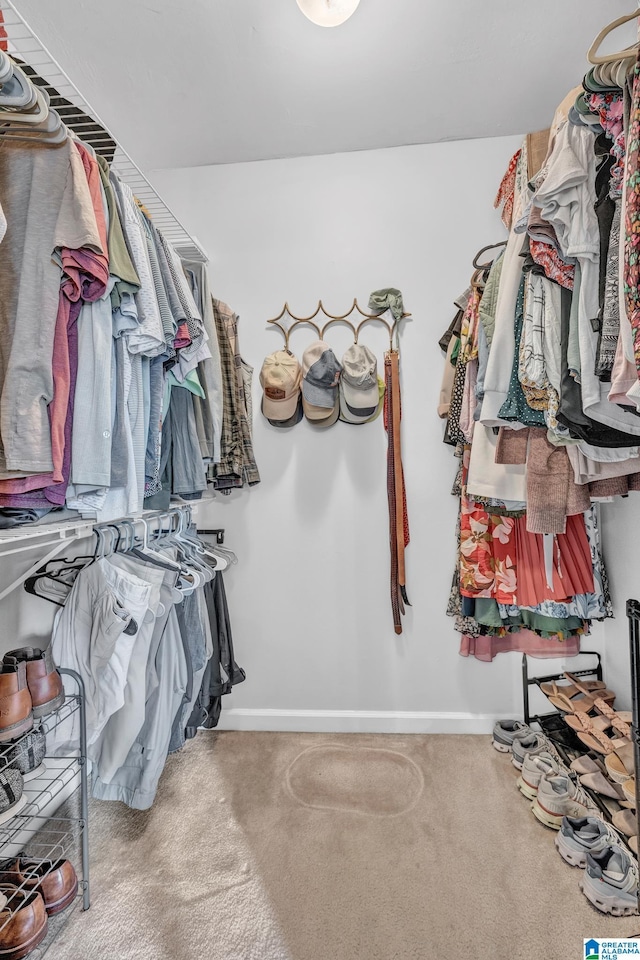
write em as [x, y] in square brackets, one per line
[359, 381]
[348, 417]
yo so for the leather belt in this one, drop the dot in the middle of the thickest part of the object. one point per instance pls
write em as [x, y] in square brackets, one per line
[396, 494]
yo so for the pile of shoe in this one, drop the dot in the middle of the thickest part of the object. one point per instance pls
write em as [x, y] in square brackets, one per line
[30, 688]
[587, 708]
[30, 892]
[559, 801]
[610, 878]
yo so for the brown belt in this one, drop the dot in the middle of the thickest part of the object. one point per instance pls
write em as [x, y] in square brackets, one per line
[396, 495]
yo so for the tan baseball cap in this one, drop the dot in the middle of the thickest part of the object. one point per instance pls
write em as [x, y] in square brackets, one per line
[280, 379]
[320, 416]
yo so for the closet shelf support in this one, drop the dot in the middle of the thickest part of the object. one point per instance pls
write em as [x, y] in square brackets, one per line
[55, 550]
[218, 534]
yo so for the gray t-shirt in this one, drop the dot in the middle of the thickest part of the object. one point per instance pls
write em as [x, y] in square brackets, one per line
[45, 197]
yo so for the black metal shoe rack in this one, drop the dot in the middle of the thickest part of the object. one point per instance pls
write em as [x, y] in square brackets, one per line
[39, 830]
[562, 736]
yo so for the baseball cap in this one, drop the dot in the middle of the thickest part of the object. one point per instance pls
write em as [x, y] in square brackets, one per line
[280, 379]
[330, 420]
[348, 417]
[359, 381]
[320, 375]
[291, 422]
[321, 416]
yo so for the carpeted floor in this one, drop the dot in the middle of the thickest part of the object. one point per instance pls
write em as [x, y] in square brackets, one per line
[268, 846]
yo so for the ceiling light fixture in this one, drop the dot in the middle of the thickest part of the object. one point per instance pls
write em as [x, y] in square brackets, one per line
[328, 13]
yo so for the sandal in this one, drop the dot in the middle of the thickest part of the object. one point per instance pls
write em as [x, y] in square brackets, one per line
[584, 686]
[618, 721]
[626, 822]
[581, 703]
[599, 784]
[581, 721]
[621, 764]
[629, 787]
[596, 740]
[569, 689]
[585, 764]
[588, 691]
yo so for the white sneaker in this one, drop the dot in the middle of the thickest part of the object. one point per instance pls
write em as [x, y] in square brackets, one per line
[558, 797]
[535, 744]
[506, 731]
[579, 836]
[610, 882]
[533, 769]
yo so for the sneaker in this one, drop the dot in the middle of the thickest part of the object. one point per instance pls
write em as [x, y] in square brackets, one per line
[533, 769]
[579, 836]
[533, 744]
[506, 731]
[610, 882]
[558, 797]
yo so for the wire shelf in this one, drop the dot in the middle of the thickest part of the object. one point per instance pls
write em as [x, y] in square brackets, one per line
[80, 117]
[56, 842]
[46, 725]
[39, 830]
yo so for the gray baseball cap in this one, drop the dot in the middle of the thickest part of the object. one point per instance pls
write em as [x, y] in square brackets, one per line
[320, 375]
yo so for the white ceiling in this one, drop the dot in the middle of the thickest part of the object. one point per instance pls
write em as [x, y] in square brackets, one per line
[192, 82]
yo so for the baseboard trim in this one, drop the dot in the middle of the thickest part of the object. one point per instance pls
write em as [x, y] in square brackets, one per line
[355, 721]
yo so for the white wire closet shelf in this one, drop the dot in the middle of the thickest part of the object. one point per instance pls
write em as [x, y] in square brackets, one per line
[23, 43]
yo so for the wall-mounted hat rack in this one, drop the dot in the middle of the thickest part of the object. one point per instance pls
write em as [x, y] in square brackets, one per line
[320, 310]
[21, 42]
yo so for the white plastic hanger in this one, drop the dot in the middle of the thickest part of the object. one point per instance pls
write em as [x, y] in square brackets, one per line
[206, 549]
[6, 66]
[51, 131]
[36, 107]
[594, 57]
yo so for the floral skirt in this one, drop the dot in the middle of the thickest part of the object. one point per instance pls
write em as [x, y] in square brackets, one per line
[501, 560]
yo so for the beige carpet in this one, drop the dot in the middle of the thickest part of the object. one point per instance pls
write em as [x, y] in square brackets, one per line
[331, 847]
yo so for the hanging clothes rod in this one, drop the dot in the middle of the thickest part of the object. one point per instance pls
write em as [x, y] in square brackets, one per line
[57, 537]
[21, 42]
[334, 318]
[151, 525]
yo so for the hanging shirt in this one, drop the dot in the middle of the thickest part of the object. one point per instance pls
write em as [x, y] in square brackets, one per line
[47, 207]
[567, 199]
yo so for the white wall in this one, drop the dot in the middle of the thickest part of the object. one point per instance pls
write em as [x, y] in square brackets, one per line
[309, 599]
[620, 523]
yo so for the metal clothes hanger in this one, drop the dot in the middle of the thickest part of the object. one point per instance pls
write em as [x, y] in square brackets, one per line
[594, 57]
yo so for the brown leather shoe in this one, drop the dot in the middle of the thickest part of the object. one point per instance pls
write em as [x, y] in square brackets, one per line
[23, 922]
[43, 679]
[16, 713]
[55, 880]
